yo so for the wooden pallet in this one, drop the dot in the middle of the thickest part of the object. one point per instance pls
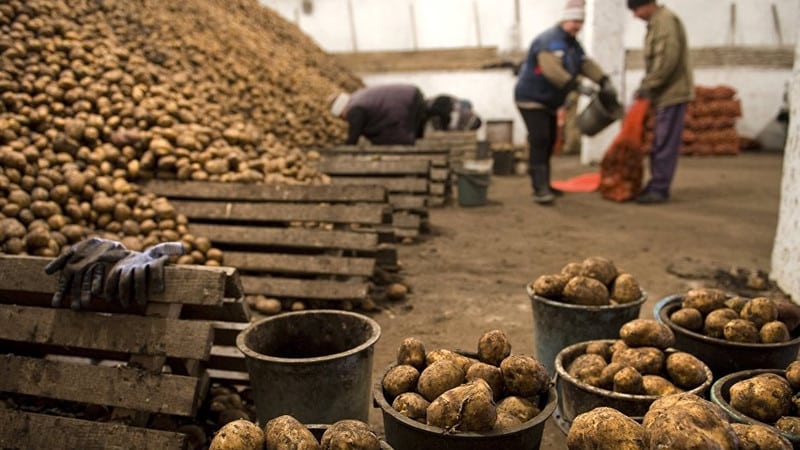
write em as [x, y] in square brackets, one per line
[316, 244]
[135, 363]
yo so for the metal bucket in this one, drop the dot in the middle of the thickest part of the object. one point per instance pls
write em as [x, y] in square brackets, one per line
[721, 394]
[725, 357]
[403, 433]
[597, 116]
[472, 187]
[557, 325]
[576, 397]
[313, 365]
[318, 430]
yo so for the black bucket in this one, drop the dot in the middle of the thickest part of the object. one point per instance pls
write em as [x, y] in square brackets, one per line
[315, 366]
[597, 116]
[721, 395]
[557, 325]
[403, 433]
[725, 357]
[576, 397]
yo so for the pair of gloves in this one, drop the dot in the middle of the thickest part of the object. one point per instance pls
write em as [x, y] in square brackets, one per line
[606, 93]
[104, 267]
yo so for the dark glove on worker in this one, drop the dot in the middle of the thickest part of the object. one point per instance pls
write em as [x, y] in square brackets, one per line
[83, 268]
[607, 94]
[140, 274]
[575, 85]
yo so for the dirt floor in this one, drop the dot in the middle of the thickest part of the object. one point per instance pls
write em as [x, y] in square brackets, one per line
[469, 275]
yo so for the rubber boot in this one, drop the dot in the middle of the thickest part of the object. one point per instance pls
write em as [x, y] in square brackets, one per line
[541, 186]
[556, 192]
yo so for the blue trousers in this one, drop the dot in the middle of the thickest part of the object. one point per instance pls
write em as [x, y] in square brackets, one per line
[666, 147]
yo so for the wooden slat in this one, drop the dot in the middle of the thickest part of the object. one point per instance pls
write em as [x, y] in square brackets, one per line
[405, 220]
[227, 358]
[225, 332]
[304, 289]
[392, 184]
[437, 189]
[229, 376]
[231, 310]
[125, 387]
[312, 264]
[142, 335]
[351, 166]
[463, 58]
[265, 192]
[279, 212]
[197, 285]
[436, 159]
[24, 430]
[403, 202]
[288, 237]
[440, 174]
[422, 147]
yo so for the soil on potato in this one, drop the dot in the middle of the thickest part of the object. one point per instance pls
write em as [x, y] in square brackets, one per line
[469, 274]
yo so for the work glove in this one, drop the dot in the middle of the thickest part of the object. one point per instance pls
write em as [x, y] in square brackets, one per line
[607, 93]
[575, 85]
[140, 274]
[83, 268]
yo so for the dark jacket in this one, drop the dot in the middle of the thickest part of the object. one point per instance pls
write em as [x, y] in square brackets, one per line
[532, 86]
[386, 115]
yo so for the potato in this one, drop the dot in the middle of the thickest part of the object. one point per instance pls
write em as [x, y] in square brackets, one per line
[686, 421]
[736, 303]
[689, 318]
[238, 435]
[646, 360]
[599, 348]
[704, 300]
[741, 330]
[605, 428]
[411, 405]
[493, 347]
[789, 424]
[521, 408]
[599, 268]
[350, 435]
[464, 408]
[774, 332]
[572, 269]
[759, 437]
[788, 313]
[412, 353]
[714, 325]
[658, 385]
[765, 397]
[793, 375]
[587, 368]
[438, 378]
[685, 370]
[400, 379]
[458, 359]
[582, 290]
[492, 375]
[287, 433]
[628, 381]
[550, 286]
[647, 333]
[606, 378]
[524, 376]
[625, 289]
[759, 310]
[505, 422]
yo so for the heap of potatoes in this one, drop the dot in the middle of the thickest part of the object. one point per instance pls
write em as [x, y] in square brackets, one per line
[595, 281]
[492, 391]
[639, 363]
[715, 314]
[287, 433]
[97, 95]
[679, 421]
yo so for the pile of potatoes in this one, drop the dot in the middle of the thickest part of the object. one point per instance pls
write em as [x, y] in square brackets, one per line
[639, 363]
[715, 314]
[595, 281]
[679, 421]
[493, 391]
[97, 95]
[287, 433]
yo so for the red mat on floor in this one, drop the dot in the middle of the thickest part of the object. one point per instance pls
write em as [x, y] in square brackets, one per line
[588, 182]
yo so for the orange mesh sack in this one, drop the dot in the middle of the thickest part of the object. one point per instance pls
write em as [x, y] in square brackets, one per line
[622, 168]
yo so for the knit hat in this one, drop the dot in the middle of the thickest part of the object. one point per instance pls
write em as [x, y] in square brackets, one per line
[338, 103]
[573, 10]
[633, 4]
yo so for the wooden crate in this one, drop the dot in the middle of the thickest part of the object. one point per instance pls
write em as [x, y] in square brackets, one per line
[316, 244]
[137, 363]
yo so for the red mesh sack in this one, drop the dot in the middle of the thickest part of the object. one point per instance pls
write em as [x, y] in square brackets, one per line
[622, 168]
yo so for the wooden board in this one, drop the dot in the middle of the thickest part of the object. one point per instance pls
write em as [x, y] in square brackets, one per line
[407, 202]
[343, 165]
[304, 289]
[310, 264]
[125, 387]
[422, 147]
[265, 192]
[23, 430]
[107, 332]
[277, 212]
[406, 220]
[288, 237]
[393, 185]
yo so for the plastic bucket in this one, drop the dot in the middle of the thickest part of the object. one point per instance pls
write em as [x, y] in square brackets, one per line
[313, 365]
[472, 187]
[721, 395]
[403, 433]
[557, 325]
[576, 397]
[725, 357]
[597, 116]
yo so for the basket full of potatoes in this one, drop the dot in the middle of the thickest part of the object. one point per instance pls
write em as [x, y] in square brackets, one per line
[732, 333]
[458, 400]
